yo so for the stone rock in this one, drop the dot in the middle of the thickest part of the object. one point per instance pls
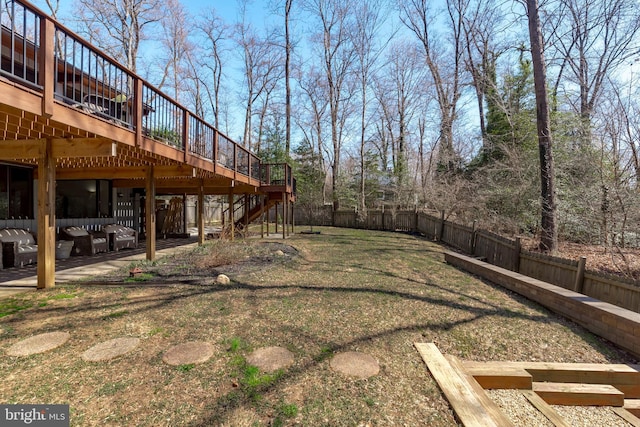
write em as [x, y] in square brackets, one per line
[269, 359]
[279, 253]
[355, 364]
[38, 344]
[223, 279]
[187, 353]
[110, 349]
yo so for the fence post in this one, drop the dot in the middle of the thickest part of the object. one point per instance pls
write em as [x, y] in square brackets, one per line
[440, 231]
[474, 231]
[582, 262]
[516, 258]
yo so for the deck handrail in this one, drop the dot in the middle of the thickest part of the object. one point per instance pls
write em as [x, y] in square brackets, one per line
[86, 78]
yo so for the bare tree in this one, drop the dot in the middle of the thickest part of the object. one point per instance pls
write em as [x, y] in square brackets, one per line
[314, 88]
[444, 58]
[118, 26]
[213, 50]
[367, 49]
[593, 38]
[549, 237]
[336, 22]
[175, 40]
[483, 37]
[287, 73]
[399, 90]
[262, 64]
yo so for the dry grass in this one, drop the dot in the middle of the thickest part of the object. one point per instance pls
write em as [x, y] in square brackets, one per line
[341, 290]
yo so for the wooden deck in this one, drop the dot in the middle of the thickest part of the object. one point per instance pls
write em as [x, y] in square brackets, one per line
[68, 120]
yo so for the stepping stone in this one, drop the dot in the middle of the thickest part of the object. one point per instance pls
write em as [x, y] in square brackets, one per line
[188, 353]
[38, 343]
[269, 359]
[355, 364]
[110, 349]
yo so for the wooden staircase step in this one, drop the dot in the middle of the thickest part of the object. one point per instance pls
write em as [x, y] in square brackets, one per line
[469, 401]
[579, 394]
[493, 377]
[633, 406]
[625, 378]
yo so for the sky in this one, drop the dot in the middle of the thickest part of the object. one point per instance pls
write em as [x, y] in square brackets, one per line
[228, 10]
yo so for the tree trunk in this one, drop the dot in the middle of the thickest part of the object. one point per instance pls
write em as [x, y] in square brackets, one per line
[549, 237]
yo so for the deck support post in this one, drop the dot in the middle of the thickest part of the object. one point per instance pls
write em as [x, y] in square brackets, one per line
[150, 214]
[262, 197]
[232, 226]
[201, 213]
[46, 217]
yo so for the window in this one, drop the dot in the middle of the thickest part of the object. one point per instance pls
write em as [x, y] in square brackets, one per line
[16, 192]
[83, 199]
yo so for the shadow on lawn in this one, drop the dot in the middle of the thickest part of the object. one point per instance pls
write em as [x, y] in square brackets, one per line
[220, 410]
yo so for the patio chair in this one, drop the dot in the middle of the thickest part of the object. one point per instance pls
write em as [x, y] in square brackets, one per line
[18, 247]
[85, 242]
[121, 236]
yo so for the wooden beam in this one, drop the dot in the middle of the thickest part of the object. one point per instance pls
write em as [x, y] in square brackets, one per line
[625, 378]
[150, 214]
[46, 217]
[578, 394]
[545, 409]
[200, 215]
[470, 403]
[47, 61]
[504, 377]
[60, 147]
[232, 224]
[131, 172]
[627, 416]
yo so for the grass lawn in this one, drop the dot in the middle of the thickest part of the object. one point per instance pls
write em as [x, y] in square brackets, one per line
[314, 294]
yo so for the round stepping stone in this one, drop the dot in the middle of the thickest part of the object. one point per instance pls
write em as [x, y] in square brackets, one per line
[110, 349]
[269, 359]
[355, 364]
[188, 353]
[38, 343]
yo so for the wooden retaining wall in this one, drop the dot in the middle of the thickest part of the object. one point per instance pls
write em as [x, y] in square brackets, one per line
[618, 325]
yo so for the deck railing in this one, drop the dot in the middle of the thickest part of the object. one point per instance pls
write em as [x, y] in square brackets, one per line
[84, 77]
[20, 40]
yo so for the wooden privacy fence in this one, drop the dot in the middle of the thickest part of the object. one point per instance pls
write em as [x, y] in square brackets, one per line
[490, 247]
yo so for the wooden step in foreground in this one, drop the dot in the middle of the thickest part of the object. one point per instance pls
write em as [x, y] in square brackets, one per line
[467, 398]
[500, 377]
[578, 394]
[633, 406]
[625, 378]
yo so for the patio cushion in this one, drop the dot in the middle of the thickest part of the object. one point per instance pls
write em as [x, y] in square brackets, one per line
[118, 230]
[73, 231]
[26, 249]
[23, 237]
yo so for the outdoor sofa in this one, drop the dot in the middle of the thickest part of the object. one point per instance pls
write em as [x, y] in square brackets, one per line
[85, 242]
[120, 236]
[19, 247]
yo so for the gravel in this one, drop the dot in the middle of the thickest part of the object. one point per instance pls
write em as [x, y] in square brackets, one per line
[523, 414]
